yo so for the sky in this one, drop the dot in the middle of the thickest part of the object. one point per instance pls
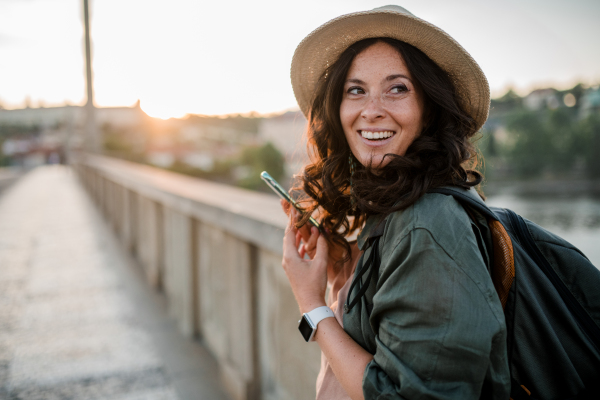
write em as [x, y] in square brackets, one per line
[223, 57]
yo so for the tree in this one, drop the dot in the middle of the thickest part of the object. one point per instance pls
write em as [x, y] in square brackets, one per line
[547, 141]
[531, 152]
[590, 145]
[254, 160]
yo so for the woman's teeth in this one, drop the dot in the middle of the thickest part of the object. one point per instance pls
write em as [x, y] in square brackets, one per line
[376, 135]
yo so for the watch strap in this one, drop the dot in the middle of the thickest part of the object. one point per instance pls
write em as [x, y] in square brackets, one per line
[319, 314]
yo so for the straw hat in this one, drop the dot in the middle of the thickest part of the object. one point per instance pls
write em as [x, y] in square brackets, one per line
[322, 47]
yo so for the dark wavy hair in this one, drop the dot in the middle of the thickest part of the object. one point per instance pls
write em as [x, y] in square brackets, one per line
[441, 155]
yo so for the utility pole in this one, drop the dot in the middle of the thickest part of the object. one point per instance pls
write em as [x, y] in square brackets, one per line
[92, 140]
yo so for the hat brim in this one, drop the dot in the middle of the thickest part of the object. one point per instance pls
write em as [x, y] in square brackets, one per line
[321, 48]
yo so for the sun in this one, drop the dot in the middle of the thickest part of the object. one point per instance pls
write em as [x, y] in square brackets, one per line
[161, 110]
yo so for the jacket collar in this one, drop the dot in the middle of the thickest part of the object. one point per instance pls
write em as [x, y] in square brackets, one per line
[373, 228]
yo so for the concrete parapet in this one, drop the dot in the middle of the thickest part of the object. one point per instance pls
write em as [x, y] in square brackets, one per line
[215, 251]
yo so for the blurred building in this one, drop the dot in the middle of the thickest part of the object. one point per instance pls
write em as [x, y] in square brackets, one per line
[74, 116]
[590, 102]
[198, 131]
[542, 98]
[35, 136]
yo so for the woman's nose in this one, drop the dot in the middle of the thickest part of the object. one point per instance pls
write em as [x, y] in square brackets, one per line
[373, 109]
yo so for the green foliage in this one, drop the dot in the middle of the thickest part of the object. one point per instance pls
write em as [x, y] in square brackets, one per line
[555, 141]
[10, 131]
[588, 144]
[547, 143]
[531, 148]
[221, 172]
[254, 160]
[118, 143]
[242, 123]
[4, 160]
[487, 146]
[7, 130]
[243, 171]
[509, 101]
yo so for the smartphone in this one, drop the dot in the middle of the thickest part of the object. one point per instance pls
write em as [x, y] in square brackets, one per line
[284, 195]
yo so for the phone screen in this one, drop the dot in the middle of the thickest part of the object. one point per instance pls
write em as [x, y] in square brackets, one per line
[273, 184]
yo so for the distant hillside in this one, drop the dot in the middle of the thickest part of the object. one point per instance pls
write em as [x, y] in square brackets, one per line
[548, 134]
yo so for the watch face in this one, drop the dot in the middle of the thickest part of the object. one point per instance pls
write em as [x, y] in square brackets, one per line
[305, 329]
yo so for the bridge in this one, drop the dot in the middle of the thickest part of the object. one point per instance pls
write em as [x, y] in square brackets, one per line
[124, 281]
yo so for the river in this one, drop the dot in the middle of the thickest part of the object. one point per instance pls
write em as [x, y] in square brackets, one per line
[577, 220]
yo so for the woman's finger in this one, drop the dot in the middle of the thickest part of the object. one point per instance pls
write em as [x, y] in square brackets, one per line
[298, 239]
[305, 232]
[285, 206]
[311, 243]
[322, 254]
[290, 250]
[295, 215]
[304, 229]
[302, 251]
[322, 246]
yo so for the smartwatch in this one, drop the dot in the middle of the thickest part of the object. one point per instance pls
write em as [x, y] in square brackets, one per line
[309, 321]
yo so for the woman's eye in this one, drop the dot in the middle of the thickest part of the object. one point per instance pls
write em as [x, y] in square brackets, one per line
[355, 90]
[399, 89]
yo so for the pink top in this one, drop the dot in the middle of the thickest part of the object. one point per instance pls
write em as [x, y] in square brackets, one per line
[328, 387]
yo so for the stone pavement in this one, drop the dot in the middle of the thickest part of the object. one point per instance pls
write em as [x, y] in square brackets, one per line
[8, 176]
[77, 320]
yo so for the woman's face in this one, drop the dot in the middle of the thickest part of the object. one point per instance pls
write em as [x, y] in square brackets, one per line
[382, 108]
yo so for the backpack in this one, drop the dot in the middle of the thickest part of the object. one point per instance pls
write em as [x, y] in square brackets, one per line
[550, 293]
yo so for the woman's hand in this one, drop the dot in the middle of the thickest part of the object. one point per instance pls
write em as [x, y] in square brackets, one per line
[308, 234]
[309, 245]
[308, 278]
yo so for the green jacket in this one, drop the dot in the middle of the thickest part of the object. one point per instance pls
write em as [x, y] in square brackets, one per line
[436, 328]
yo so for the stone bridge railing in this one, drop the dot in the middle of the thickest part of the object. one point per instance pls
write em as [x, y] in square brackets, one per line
[215, 252]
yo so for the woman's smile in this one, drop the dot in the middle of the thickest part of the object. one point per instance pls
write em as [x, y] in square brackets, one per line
[376, 137]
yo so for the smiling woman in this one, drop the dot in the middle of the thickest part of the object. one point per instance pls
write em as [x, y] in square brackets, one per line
[392, 103]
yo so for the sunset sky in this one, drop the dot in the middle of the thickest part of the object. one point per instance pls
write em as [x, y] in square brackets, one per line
[218, 57]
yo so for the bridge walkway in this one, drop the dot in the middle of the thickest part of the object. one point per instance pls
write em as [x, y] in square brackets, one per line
[77, 320]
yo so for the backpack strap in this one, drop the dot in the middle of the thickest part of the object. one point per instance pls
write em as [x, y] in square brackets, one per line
[503, 264]
[468, 197]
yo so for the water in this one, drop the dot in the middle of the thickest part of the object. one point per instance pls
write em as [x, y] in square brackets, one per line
[577, 220]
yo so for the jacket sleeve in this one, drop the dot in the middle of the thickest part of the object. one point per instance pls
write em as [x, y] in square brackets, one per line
[435, 331]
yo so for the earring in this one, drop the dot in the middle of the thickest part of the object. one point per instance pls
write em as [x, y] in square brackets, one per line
[352, 197]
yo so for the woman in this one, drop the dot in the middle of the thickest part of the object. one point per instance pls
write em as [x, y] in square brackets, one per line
[392, 104]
